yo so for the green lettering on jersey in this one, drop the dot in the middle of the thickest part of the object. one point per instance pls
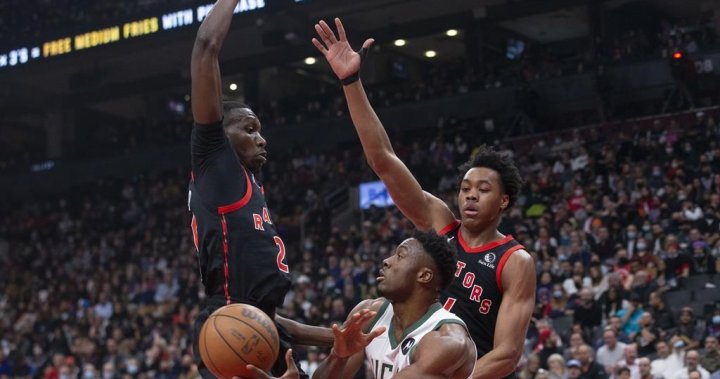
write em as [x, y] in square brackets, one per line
[382, 370]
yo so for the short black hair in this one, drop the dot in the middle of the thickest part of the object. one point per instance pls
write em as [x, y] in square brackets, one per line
[503, 164]
[229, 106]
[623, 369]
[444, 255]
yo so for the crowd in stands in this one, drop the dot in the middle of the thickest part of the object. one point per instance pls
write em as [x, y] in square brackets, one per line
[103, 281]
[441, 79]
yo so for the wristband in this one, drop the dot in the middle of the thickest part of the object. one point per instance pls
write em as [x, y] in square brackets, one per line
[356, 76]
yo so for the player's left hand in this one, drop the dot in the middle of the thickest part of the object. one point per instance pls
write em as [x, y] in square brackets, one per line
[343, 60]
[351, 338]
[291, 373]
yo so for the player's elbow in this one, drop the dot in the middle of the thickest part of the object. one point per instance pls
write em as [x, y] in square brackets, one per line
[206, 46]
[380, 160]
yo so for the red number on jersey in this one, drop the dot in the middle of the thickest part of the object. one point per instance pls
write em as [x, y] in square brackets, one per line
[281, 255]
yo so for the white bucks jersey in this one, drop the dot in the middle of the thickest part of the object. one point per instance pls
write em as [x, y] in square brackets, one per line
[386, 355]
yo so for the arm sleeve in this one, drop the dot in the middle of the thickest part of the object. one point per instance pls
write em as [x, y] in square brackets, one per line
[206, 142]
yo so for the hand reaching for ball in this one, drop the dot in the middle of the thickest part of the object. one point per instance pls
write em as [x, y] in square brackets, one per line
[291, 373]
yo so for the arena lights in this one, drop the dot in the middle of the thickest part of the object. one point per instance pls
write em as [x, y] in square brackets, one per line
[451, 32]
[677, 55]
[310, 61]
[233, 86]
[399, 42]
[431, 53]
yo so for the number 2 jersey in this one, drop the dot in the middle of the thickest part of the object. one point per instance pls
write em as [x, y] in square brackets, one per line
[387, 355]
[476, 292]
[241, 256]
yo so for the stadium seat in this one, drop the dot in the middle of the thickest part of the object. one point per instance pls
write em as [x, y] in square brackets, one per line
[678, 299]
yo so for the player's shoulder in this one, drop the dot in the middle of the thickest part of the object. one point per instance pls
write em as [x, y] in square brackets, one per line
[371, 304]
[521, 257]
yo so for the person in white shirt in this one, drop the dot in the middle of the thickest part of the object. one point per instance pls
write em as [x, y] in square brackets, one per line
[630, 361]
[611, 352]
[668, 361]
[691, 364]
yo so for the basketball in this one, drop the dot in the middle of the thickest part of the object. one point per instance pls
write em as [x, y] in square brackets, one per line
[237, 335]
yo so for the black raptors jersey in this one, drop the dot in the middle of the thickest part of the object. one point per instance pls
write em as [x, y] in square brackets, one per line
[241, 257]
[476, 292]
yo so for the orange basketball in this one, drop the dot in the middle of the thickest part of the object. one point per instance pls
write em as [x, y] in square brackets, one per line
[236, 335]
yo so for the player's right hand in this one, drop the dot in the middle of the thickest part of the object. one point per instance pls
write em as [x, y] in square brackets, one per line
[351, 338]
[291, 373]
[343, 60]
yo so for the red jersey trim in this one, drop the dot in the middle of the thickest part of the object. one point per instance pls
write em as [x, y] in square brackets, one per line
[501, 265]
[448, 228]
[483, 248]
[226, 254]
[240, 203]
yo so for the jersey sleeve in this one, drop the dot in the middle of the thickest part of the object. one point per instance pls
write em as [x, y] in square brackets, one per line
[206, 141]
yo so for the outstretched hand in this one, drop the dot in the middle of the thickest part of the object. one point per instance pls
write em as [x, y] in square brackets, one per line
[343, 60]
[291, 373]
[351, 339]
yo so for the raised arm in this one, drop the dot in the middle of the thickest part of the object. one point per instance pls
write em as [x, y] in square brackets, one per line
[423, 209]
[204, 66]
[348, 352]
[446, 353]
[513, 319]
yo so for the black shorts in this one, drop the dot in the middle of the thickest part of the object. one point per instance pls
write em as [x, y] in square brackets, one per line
[278, 368]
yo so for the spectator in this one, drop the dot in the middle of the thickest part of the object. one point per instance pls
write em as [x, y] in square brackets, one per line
[611, 352]
[710, 359]
[647, 336]
[691, 364]
[552, 346]
[587, 311]
[623, 373]
[531, 367]
[713, 325]
[630, 360]
[669, 360]
[572, 351]
[662, 315]
[630, 315]
[687, 330]
[556, 367]
[644, 368]
[590, 369]
[574, 369]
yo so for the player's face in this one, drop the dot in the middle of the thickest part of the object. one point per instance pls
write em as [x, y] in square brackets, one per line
[244, 135]
[400, 270]
[481, 198]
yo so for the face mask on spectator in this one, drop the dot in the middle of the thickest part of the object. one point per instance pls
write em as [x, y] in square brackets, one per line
[132, 369]
[631, 234]
[646, 228]
[88, 375]
[716, 320]
[641, 246]
[557, 294]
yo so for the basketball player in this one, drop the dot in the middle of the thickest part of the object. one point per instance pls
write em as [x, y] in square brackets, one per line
[495, 276]
[412, 335]
[241, 256]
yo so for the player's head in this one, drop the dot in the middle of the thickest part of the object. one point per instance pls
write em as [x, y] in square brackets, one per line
[242, 128]
[488, 185]
[424, 261]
